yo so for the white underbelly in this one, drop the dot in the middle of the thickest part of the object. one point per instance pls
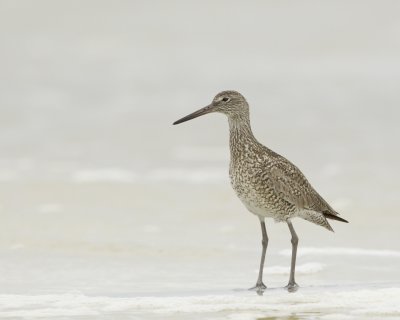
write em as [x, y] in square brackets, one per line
[261, 210]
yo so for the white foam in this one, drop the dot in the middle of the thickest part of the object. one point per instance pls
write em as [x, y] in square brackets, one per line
[306, 268]
[198, 153]
[151, 229]
[17, 246]
[339, 251]
[7, 176]
[104, 175]
[47, 208]
[199, 175]
[353, 303]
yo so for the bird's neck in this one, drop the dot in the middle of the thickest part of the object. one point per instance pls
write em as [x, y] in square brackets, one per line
[241, 138]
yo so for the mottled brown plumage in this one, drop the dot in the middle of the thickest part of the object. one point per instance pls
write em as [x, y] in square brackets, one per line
[267, 184]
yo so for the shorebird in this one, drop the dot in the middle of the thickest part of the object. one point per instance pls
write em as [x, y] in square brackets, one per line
[268, 184]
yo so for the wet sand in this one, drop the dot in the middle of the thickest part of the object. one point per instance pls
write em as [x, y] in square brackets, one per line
[108, 211]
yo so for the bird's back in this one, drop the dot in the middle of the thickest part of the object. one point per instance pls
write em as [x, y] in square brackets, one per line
[271, 186]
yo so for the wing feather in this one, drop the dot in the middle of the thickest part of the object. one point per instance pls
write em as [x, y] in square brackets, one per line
[288, 181]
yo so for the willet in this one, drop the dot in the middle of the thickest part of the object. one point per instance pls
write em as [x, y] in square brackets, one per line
[268, 185]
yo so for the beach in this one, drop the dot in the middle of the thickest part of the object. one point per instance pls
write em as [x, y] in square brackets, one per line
[107, 211]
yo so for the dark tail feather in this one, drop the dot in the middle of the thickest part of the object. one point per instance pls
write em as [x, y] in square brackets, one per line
[334, 217]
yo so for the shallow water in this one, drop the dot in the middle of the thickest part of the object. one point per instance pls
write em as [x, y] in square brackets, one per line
[108, 211]
[311, 303]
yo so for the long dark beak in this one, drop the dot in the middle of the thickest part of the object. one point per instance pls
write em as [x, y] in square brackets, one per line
[195, 114]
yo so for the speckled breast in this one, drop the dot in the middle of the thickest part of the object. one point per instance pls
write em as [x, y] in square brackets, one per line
[250, 185]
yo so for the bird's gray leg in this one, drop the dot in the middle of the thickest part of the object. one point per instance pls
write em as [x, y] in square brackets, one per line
[292, 285]
[260, 286]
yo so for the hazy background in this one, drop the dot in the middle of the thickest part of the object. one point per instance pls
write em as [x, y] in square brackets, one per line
[101, 196]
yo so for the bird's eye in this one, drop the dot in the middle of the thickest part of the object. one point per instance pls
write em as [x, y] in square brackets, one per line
[225, 99]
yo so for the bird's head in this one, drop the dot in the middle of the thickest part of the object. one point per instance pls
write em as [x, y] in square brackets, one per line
[230, 103]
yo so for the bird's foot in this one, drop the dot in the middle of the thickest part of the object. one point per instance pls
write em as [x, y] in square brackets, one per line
[259, 287]
[292, 287]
